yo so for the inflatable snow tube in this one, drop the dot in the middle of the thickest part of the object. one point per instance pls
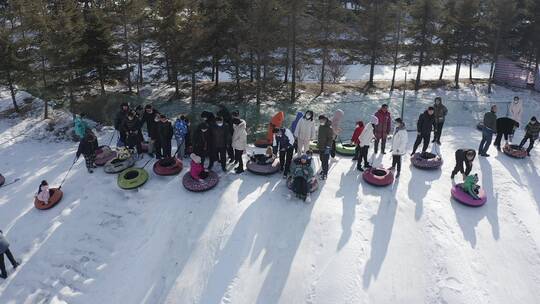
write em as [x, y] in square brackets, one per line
[514, 151]
[100, 149]
[56, 196]
[132, 178]
[105, 156]
[2, 180]
[118, 165]
[168, 166]
[313, 146]
[196, 186]
[262, 143]
[266, 169]
[426, 161]
[464, 198]
[313, 185]
[346, 149]
[378, 177]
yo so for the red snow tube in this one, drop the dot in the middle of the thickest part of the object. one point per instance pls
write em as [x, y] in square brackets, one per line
[56, 196]
[463, 197]
[168, 166]
[313, 185]
[378, 177]
[276, 122]
[105, 154]
[426, 161]
[2, 179]
[196, 186]
[514, 151]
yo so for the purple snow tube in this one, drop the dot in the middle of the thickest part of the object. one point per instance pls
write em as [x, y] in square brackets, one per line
[266, 169]
[426, 161]
[378, 177]
[313, 185]
[196, 186]
[105, 155]
[463, 197]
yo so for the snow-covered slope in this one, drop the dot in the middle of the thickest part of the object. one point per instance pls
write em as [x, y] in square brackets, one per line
[247, 242]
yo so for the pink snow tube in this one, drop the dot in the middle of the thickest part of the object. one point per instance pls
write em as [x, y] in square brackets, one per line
[514, 151]
[461, 196]
[103, 155]
[426, 161]
[378, 177]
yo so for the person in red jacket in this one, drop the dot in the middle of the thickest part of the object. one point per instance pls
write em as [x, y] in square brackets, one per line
[383, 128]
[355, 140]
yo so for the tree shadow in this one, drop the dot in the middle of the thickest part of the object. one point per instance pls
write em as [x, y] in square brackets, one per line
[418, 187]
[383, 223]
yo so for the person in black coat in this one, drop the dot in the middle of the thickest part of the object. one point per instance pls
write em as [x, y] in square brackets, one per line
[424, 127]
[150, 117]
[464, 157]
[221, 138]
[121, 115]
[132, 130]
[4, 249]
[88, 147]
[227, 119]
[165, 135]
[505, 126]
[201, 141]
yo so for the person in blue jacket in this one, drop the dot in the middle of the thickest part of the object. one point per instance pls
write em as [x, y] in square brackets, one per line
[180, 134]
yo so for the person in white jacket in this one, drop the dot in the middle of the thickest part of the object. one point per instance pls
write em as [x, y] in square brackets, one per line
[239, 142]
[365, 139]
[515, 110]
[399, 145]
[305, 132]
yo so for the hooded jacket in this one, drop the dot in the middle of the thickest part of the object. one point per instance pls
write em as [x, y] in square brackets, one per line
[88, 145]
[383, 127]
[356, 134]
[283, 142]
[220, 135]
[506, 125]
[533, 129]
[239, 138]
[400, 141]
[151, 124]
[165, 131]
[326, 136]
[439, 112]
[305, 129]
[515, 110]
[425, 123]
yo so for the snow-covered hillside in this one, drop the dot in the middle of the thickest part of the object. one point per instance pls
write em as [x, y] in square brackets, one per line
[247, 242]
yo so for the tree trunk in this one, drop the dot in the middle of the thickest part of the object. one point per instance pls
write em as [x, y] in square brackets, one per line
[323, 68]
[193, 82]
[495, 56]
[442, 68]
[44, 80]
[12, 91]
[458, 69]
[101, 79]
[286, 78]
[237, 74]
[251, 70]
[216, 83]
[396, 51]
[258, 78]
[470, 67]
[372, 67]
[126, 51]
[168, 68]
[419, 73]
[140, 80]
[293, 76]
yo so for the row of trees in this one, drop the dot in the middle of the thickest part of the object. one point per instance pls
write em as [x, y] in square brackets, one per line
[66, 47]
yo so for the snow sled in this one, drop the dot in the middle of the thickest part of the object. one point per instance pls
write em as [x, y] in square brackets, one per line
[168, 166]
[426, 160]
[275, 122]
[197, 186]
[463, 197]
[313, 184]
[346, 149]
[103, 155]
[55, 197]
[514, 151]
[132, 178]
[262, 169]
[2, 180]
[378, 177]
[118, 165]
[313, 145]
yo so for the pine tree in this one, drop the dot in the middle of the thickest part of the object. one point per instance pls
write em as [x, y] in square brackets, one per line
[420, 31]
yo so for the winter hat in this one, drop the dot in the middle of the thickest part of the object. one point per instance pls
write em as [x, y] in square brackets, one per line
[374, 120]
[148, 107]
[196, 158]
[533, 118]
[235, 113]
[236, 121]
[431, 109]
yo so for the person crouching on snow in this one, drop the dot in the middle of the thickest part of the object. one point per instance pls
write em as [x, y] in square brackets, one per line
[399, 145]
[464, 157]
[196, 170]
[470, 186]
[4, 249]
[88, 147]
[531, 133]
[301, 174]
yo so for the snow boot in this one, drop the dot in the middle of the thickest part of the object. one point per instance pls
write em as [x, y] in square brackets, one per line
[90, 170]
[238, 171]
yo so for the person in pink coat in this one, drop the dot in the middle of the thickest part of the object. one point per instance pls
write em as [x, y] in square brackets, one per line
[383, 128]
